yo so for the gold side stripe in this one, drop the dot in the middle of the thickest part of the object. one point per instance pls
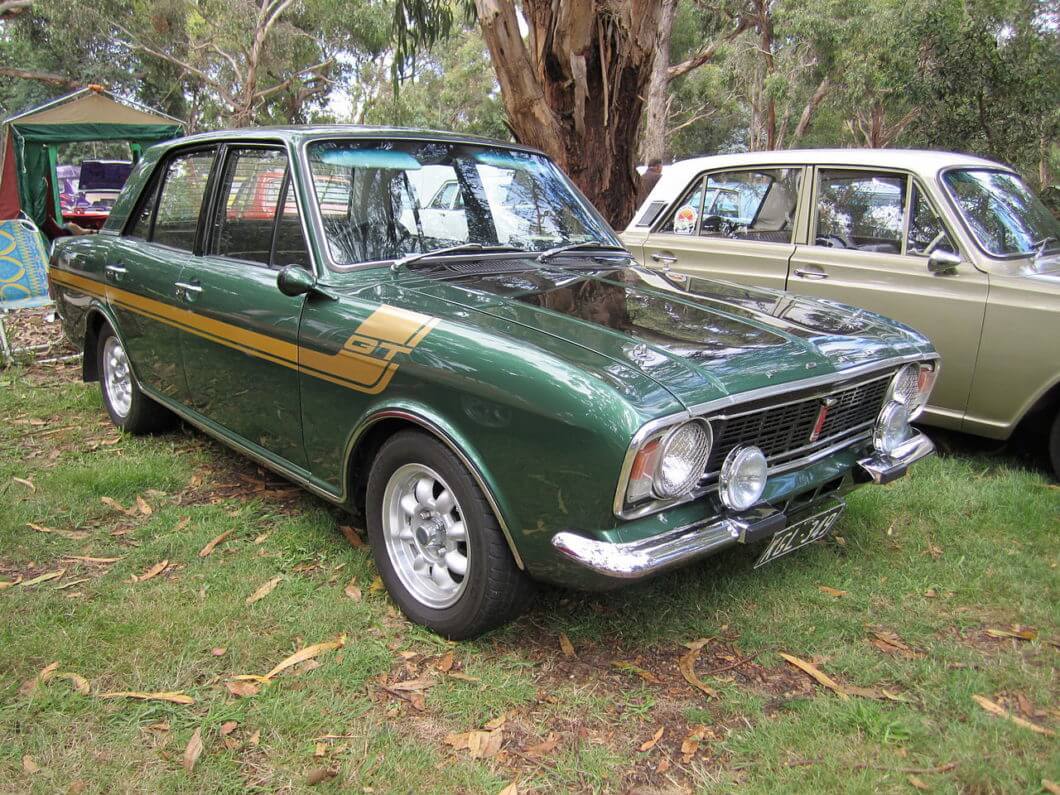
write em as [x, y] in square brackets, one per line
[388, 330]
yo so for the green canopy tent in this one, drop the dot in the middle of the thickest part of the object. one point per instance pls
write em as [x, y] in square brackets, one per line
[31, 140]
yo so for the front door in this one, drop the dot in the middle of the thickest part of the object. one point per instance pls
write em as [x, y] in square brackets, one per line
[145, 267]
[242, 364]
[734, 225]
[872, 231]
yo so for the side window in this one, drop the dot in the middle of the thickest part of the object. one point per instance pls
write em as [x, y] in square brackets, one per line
[289, 246]
[926, 231]
[183, 187]
[443, 199]
[752, 205]
[863, 210]
[141, 223]
[685, 219]
[246, 213]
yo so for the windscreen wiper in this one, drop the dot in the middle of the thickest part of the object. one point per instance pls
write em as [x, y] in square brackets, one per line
[544, 256]
[457, 249]
[1041, 245]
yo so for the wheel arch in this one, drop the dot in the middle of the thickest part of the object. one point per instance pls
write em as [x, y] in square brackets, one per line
[95, 319]
[1044, 406]
[383, 423]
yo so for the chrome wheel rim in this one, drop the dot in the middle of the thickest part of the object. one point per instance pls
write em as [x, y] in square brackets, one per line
[117, 377]
[423, 528]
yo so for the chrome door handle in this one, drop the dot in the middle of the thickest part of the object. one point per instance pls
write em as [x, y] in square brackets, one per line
[187, 290]
[668, 259]
[807, 274]
[114, 272]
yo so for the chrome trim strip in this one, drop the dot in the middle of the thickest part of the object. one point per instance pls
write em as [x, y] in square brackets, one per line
[440, 433]
[818, 394]
[653, 426]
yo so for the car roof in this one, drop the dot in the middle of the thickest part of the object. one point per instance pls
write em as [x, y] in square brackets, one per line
[298, 133]
[924, 162]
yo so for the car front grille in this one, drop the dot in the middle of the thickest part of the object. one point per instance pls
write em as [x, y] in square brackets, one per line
[785, 430]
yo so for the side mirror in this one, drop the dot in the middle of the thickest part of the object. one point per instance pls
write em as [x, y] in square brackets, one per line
[940, 261]
[294, 281]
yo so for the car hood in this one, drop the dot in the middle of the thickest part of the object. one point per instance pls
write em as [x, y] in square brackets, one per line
[700, 339]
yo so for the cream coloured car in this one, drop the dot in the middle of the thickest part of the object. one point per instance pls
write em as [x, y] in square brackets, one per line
[955, 246]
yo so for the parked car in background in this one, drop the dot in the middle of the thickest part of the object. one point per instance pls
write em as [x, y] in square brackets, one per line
[955, 246]
[517, 401]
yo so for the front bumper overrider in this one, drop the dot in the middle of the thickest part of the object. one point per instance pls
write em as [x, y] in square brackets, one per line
[636, 560]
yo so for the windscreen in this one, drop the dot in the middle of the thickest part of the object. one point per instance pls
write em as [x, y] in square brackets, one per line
[1003, 213]
[381, 200]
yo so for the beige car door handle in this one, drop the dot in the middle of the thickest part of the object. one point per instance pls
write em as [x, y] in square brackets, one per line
[666, 259]
[808, 274]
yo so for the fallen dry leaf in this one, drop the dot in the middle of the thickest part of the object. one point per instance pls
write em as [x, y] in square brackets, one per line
[479, 744]
[77, 786]
[45, 673]
[79, 682]
[377, 585]
[27, 483]
[152, 572]
[690, 745]
[352, 591]
[10, 583]
[319, 775]
[686, 665]
[889, 643]
[463, 677]
[29, 765]
[181, 523]
[73, 535]
[219, 651]
[919, 783]
[228, 727]
[817, 674]
[496, 723]
[112, 503]
[264, 590]
[412, 685]
[1051, 786]
[242, 689]
[145, 509]
[546, 746]
[444, 663]
[511, 789]
[320, 750]
[193, 750]
[566, 646]
[1001, 712]
[90, 559]
[831, 591]
[696, 645]
[352, 536]
[648, 744]
[207, 550]
[51, 575]
[647, 676]
[1021, 634]
[173, 697]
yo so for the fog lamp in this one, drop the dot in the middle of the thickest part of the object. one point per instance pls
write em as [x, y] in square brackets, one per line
[743, 478]
[892, 428]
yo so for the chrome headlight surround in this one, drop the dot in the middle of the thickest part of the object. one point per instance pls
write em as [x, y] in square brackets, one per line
[912, 385]
[742, 480]
[892, 427]
[669, 463]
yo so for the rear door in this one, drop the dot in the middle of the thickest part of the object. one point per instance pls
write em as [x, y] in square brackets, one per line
[737, 225]
[242, 364]
[872, 231]
[145, 265]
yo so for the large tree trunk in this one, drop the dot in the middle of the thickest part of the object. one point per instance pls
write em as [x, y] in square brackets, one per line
[653, 142]
[575, 88]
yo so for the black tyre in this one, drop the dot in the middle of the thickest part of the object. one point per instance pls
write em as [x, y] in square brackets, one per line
[436, 542]
[129, 408]
[1054, 446]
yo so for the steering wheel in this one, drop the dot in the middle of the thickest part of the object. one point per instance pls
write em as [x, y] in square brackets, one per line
[831, 241]
[718, 223]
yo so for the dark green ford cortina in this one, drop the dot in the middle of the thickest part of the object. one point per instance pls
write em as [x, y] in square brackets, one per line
[440, 334]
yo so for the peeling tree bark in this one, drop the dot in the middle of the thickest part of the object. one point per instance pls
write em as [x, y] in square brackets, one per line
[575, 87]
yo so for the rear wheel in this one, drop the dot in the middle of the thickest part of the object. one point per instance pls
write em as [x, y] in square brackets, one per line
[436, 542]
[129, 408]
[1054, 446]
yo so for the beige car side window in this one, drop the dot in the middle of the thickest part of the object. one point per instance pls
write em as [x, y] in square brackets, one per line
[926, 231]
[751, 205]
[685, 218]
[862, 210]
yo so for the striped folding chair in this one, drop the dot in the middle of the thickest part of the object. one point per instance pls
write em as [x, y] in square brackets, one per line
[23, 275]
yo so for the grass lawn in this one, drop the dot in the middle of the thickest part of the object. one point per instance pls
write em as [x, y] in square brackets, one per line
[906, 610]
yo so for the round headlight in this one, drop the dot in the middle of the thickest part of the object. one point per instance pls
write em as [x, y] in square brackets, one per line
[892, 427]
[905, 387]
[743, 478]
[682, 459]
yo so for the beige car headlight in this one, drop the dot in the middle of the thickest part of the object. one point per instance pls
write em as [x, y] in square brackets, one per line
[912, 385]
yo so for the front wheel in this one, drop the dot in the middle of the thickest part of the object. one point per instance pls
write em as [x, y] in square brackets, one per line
[436, 542]
[129, 408]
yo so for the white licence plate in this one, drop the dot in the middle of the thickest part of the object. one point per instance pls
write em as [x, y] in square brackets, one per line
[800, 534]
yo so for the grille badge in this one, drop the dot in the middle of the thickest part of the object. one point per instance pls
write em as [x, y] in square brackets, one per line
[822, 415]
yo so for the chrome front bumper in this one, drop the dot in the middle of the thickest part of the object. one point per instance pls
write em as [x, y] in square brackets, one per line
[635, 560]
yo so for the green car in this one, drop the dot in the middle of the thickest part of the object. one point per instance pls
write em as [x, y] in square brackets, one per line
[505, 397]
